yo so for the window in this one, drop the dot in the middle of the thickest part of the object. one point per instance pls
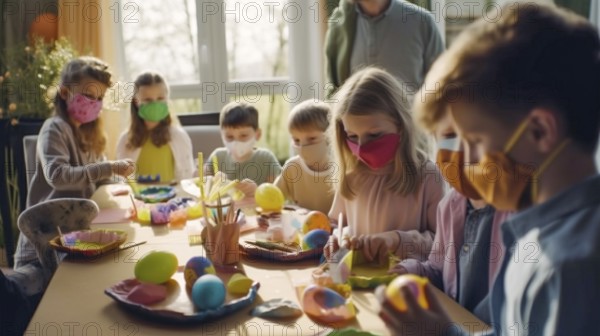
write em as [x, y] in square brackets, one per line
[257, 40]
[212, 52]
[163, 37]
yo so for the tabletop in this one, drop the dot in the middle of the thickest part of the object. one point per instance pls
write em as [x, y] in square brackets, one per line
[75, 304]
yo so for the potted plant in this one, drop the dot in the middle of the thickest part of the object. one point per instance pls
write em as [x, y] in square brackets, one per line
[29, 77]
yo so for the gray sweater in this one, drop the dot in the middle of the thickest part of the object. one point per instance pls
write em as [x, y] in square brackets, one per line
[62, 171]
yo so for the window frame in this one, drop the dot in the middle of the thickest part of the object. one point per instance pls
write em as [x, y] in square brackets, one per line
[305, 58]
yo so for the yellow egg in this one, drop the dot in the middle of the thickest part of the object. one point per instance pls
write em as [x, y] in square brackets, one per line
[269, 197]
[239, 284]
[143, 215]
[156, 267]
[415, 283]
[316, 220]
[194, 211]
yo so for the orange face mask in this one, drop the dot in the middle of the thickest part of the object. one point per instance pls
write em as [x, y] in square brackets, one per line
[502, 182]
[450, 160]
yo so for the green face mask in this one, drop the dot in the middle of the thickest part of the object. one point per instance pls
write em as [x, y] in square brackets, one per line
[154, 111]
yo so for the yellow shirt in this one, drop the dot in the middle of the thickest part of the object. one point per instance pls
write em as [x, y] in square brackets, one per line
[156, 160]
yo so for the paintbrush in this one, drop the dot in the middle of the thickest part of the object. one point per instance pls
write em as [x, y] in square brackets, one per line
[219, 210]
[237, 215]
[62, 237]
[271, 246]
[133, 203]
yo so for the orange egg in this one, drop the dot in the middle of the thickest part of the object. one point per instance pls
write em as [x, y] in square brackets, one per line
[316, 220]
[415, 283]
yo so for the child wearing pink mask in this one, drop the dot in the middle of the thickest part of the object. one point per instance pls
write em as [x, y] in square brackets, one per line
[70, 161]
[387, 189]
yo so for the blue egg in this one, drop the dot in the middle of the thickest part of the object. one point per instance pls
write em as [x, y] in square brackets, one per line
[195, 268]
[315, 239]
[208, 292]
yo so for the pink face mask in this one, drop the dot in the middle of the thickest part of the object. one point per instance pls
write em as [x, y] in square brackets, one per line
[378, 152]
[84, 109]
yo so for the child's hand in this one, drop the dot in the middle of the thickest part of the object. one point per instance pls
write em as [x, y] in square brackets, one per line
[124, 168]
[248, 187]
[376, 247]
[331, 248]
[397, 322]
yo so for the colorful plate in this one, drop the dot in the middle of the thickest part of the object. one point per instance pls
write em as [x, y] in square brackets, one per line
[89, 243]
[365, 274]
[156, 194]
[178, 307]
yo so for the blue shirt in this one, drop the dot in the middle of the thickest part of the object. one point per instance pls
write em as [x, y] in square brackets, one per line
[549, 283]
[474, 259]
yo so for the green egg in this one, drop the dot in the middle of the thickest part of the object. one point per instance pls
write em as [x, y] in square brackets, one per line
[156, 267]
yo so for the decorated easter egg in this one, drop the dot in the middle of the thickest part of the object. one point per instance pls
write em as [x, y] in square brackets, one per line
[208, 292]
[415, 283]
[269, 197]
[316, 220]
[195, 211]
[143, 215]
[178, 217]
[315, 239]
[326, 304]
[195, 268]
[156, 267]
[159, 213]
[239, 284]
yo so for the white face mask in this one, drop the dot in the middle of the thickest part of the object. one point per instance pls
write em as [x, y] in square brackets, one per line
[314, 154]
[239, 149]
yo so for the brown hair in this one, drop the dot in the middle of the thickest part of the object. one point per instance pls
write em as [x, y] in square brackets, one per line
[534, 55]
[239, 115]
[374, 91]
[309, 115]
[89, 136]
[138, 133]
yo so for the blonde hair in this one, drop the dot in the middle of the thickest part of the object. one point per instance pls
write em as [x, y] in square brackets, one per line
[138, 133]
[374, 91]
[89, 136]
[309, 115]
[534, 55]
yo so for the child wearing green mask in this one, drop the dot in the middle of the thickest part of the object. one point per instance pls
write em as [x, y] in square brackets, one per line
[522, 93]
[159, 146]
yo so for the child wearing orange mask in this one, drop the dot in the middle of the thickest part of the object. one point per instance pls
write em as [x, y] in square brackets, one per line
[522, 93]
[467, 249]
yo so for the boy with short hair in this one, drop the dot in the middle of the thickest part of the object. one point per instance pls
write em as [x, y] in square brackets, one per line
[522, 91]
[307, 178]
[240, 159]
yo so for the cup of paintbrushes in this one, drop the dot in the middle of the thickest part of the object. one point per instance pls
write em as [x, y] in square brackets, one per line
[221, 231]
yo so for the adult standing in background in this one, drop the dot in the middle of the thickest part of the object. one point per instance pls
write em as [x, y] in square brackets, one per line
[395, 35]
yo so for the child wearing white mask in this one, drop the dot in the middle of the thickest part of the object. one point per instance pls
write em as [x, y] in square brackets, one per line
[240, 159]
[307, 178]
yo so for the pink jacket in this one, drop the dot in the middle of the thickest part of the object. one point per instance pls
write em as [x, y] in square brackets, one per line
[441, 266]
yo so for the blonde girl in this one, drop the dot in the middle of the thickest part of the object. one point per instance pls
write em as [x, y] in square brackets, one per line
[70, 148]
[388, 190]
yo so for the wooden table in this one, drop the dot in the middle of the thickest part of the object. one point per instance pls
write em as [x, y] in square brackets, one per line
[75, 303]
